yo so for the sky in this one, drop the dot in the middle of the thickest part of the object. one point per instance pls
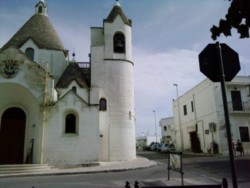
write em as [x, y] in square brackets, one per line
[168, 36]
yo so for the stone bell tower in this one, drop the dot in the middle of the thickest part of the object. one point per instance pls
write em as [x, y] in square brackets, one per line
[113, 75]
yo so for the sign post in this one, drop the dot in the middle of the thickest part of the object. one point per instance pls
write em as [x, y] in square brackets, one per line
[175, 163]
[213, 61]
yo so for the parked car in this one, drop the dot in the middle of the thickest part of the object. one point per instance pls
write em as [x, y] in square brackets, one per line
[167, 147]
[148, 147]
[154, 146]
[158, 147]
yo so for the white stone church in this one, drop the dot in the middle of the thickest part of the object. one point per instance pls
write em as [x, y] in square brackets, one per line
[60, 112]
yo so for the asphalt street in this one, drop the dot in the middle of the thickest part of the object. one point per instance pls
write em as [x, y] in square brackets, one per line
[197, 170]
[203, 167]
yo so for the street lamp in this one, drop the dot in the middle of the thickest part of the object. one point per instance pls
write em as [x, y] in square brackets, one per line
[155, 127]
[179, 118]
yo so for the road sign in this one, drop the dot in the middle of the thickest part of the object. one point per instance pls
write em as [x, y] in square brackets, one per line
[220, 63]
[209, 60]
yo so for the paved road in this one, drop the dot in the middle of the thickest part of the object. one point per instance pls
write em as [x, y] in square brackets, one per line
[212, 168]
[197, 170]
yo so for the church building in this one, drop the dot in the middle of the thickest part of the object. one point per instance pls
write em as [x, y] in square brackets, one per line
[60, 112]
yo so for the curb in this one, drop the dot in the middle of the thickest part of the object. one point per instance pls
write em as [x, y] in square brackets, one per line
[137, 164]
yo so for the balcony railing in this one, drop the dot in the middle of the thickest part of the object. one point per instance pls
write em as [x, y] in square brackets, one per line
[244, 107]
[84, 64]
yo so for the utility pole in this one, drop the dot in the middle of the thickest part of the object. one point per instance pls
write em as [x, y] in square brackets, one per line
[179, 117]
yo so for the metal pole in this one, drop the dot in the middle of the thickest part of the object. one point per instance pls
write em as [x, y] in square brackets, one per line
[155, 126]
[226, 114]
[179, 116]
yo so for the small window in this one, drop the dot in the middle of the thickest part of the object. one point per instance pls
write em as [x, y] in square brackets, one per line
[74, 89]
[30, 53]
[70, 123]
[103, 105]
[185, 110]
[192, 106]
[40, 9]
[244, 134]
[165, 128]
[119, 43]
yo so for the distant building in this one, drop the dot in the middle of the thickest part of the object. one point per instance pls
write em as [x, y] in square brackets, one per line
[143, 141]
[201, 121]
[167, 130]
[56, 111]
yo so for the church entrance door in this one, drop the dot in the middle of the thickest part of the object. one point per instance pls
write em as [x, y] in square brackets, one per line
[12, 134]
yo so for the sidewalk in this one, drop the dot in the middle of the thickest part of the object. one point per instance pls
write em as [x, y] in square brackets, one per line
[138, 163]
[117, 166]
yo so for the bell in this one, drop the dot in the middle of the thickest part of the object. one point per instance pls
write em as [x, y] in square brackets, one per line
[119, 47]
[118, 44]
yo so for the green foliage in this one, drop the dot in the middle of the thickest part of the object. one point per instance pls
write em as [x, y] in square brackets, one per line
[237, 17]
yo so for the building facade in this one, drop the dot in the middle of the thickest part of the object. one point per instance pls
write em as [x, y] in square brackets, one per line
[199, 116]
[56, 111]
[167, 130]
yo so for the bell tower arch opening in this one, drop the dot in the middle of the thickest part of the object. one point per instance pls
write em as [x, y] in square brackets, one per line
[119, 43]
[12, 136]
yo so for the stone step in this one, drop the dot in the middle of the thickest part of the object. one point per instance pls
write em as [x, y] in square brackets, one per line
[25, 168]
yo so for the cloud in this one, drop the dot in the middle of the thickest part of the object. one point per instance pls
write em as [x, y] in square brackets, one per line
[167, 38]
[75, 38]
[155, 75]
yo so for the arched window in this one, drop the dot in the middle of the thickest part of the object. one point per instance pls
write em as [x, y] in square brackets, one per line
[103, 104]
[40, 9]
[70, 123]
[74, 89]
[30, 53]
[119, 43]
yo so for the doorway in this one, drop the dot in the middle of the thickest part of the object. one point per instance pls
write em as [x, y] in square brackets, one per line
[195, 142]
[12, 136]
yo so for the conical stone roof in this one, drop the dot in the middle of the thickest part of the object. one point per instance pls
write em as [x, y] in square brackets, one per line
[40, 30]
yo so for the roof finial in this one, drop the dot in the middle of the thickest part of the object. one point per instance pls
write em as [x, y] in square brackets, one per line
[117, 3]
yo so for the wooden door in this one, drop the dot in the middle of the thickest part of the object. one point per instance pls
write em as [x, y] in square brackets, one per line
[12, 134]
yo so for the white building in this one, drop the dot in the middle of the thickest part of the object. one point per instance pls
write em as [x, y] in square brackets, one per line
[58, 112]
[202, 116]
[143, 141]
[167, 130]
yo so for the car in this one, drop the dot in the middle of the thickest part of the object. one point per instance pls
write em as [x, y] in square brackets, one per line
[153, 146]
[158, 147]
[167, 147]
[148, 147]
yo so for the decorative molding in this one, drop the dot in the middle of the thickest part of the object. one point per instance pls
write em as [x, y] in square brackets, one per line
[10, 63]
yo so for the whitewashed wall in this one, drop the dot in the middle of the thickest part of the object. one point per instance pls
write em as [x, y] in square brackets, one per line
[82, 147]
[208, 107]
[18, 92]
[55, 58]
[113, 73]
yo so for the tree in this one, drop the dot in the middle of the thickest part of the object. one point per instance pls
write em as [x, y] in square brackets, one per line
[238, 17]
